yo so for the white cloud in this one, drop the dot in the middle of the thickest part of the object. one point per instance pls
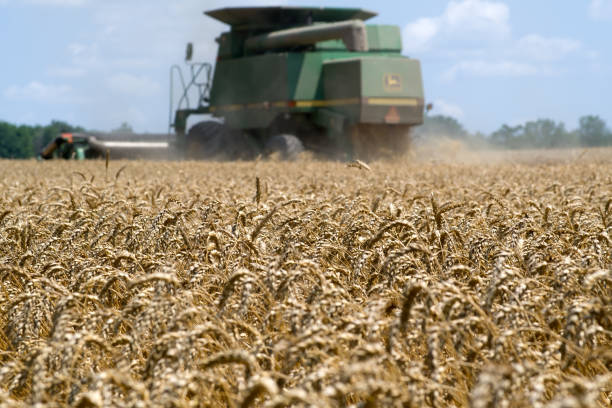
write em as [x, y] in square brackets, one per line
[84, 55]
[77, 49]
[133, 85]
[448, 109]
[477, 15]
[474, 38]
[122, 57]
[466, 21]
[537, 47]
[490, 69]
[600, 9]
[419, 34]
[39, 92]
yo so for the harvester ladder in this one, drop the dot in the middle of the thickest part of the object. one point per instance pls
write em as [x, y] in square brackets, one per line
[200, 79]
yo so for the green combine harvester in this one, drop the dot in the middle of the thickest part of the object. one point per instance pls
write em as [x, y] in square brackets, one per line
[293, 78]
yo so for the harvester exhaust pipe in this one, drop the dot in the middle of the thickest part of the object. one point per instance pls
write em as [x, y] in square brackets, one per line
[352, 33]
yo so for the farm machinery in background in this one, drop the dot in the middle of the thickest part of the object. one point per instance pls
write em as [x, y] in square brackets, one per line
[94, 145]
[288, 79]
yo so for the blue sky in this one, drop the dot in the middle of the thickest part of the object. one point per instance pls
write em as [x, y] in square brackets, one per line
[485, 62]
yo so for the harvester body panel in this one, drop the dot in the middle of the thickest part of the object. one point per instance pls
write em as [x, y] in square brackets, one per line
[374, 89]
[251, 92]
[292, 61]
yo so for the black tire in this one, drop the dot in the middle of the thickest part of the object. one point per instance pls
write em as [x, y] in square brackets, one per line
[287, 146]
[205, 140]
[213, 140]
[239, 145]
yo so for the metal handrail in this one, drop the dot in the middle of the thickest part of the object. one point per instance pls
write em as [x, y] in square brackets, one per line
[203, 87]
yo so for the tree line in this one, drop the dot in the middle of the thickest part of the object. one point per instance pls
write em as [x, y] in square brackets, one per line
[23, 141]
[592, 131]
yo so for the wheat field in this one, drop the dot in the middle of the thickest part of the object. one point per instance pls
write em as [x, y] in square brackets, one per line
[455, 280]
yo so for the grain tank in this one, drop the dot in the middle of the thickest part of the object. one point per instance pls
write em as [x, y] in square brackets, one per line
[288, 78]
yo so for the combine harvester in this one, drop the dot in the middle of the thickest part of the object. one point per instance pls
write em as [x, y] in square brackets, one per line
[286, 79]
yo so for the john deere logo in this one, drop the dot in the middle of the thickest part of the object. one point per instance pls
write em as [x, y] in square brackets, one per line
[392, 82]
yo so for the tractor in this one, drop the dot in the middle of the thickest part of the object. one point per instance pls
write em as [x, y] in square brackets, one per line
[96, 145]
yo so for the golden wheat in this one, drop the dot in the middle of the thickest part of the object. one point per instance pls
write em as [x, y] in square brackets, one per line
[476, 282]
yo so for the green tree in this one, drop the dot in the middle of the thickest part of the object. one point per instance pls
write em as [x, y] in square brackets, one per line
[25, 137]
[592, 131]
[545, 133]
[541, 133]
[507, 136]
[442, 126]
[20, 142]
[15, 141]
[7, 138]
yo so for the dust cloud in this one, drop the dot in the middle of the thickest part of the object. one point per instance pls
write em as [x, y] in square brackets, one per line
[444, 149]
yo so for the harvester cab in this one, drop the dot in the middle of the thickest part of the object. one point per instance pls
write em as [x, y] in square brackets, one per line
[288, 78]
[66, 146]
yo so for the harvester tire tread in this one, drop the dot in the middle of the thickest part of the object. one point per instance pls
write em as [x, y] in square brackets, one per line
[239, 145]
[215, 141]
[205, 140]
[288, 147]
